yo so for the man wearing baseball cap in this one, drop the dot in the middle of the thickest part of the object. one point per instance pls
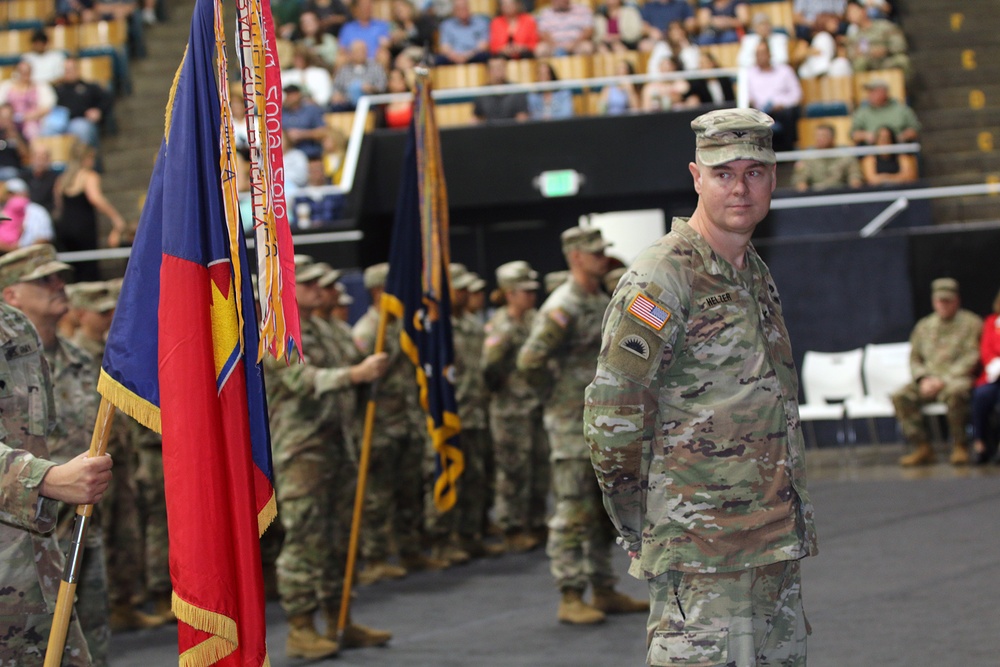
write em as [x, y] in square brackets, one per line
[693, 424]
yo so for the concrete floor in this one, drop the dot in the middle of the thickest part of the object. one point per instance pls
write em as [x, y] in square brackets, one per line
[907, 575]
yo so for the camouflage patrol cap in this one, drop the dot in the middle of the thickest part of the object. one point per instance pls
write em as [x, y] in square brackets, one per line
[477, 284]
[876, 83]
[375, 275]
[587, 239]
[345, 299]
[460, 276]
[30, 263]
[554, 280]
[725, 135]
[331, 276]
[517, 275]
[96, 296]
[307, 269]
[944, 288]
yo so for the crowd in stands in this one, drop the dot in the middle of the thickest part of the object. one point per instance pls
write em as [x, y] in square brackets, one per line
[338, 51]
[56, 101]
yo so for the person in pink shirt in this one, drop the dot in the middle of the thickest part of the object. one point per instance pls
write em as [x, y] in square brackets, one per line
[775, 90]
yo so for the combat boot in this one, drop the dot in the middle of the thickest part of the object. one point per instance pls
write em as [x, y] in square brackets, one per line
[450, 553]
[162, 608]
[360, 636]
[573, 610]
[519, 542]
[418, 561]
[305, 642]
[959, 454]
[125, 617]
[611, 601]
[379, 570]
[922, 455]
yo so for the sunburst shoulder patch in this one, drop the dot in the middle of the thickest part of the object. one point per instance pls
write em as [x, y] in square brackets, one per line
[636, 345]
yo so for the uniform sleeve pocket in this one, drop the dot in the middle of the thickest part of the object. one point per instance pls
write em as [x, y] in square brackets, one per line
[6, 378]
[691, 649]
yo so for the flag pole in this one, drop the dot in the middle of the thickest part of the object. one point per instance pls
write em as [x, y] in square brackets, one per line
[74, 560]
[359, 493]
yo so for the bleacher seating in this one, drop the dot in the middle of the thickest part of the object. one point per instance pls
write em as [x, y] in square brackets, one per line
[781, 14]
[894, 77]
[841, 130]
[31, 14]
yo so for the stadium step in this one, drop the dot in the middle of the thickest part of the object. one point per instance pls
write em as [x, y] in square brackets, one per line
[965, 209]
[971, 165]
[958, 97]
[961, 116]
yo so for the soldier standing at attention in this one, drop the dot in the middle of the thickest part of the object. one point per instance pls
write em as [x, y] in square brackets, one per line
[567, 334]
[693, 421]
[314, 474]
[34, 282]
[32, 489]
[944, 356]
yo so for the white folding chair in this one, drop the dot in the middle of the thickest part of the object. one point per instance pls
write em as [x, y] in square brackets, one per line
[886, 369]
[828, 380]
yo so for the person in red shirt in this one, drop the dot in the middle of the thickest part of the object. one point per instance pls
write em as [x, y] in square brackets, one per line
[986, 394]
[513, 33]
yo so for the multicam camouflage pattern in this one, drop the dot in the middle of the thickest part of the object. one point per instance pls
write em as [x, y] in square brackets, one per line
[948, 350]
[394, 489]
[30, 559]
[725, 135]
[520, 444]
[148, 446]
[692, 419]
[880, 33]
[738, 619]
[74, 386]
[566, 333]
[827, 172]
[472, 398]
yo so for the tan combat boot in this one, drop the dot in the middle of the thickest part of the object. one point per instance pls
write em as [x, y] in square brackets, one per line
[959, 454]
[162, 608]
[611, 601]
[379, 570]
[125, 617]
[573, 610]
[418, 561]
[519, 542]
[355, 635]
[922, 455]
[305, 642]
[451, 552]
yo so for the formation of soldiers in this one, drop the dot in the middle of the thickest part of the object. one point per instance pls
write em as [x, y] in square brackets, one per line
[519, 380]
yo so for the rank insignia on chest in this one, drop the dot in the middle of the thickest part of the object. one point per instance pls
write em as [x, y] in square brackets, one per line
[646, 310]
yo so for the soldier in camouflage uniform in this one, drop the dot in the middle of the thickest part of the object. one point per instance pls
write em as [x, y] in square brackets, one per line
[553, 280]
[566, 333]
[520, 445]
[944, 356]
[34, 283]
[693, 426]
[395, 486]
[876, 43]
[314, 476]
[822, 173]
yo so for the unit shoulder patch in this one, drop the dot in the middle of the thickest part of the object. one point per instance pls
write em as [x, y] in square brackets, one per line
[635, 344]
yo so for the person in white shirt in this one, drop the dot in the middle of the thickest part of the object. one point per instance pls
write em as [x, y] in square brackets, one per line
[762, 31]
[46, 64]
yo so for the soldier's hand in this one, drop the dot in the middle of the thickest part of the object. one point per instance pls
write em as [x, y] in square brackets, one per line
[79, 481]
[372, 368]
[929, 387]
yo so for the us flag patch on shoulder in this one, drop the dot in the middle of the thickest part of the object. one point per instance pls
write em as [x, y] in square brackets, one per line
[646, 310]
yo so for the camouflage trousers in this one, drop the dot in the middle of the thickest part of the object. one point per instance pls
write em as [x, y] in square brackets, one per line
[394, 495]
[154, 519]
[747, 618]
[470, 510]
[908, 402]
[92, 596]
[580, 533]
[25, 639]
[521, 455]
[120, 522]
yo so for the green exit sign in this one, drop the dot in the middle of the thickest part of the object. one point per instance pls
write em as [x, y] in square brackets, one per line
[559, 183]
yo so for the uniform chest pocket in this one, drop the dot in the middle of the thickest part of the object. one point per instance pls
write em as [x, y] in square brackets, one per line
[6, 377]
[717, 331]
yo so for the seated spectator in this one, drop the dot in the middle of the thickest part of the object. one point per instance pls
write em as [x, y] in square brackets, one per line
[658, 15]
[76, 11]
[880, 110]
[617, 27]
[549, 104]
[13, 146]
[41, 177]
[321, 44]
[805, 13]
[677, 44]
[513, 33]
[84, 106]
[31, 100]
[315, 81]
[874, 44]
[358, 76]
[37, 226]
[822, 58]
[410, 32]
[722, 21]
[46, 63]
[620, 98]
[715, 91]
[986, 395]
[296, 168]
[316, 175]
[668, 93]
[375, 33]
[565, 28]
[399, 114]
[762, 30]
[303, 121]
[888, 168]
[822, 173]
[775, 90]
[332, 14]
[878, 9]
[15, 203]
[464, 37]
[286, 17]
[509, 106]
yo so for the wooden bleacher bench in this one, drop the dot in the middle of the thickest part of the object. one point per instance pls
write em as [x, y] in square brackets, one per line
[454, 115]
[470, 75]
[27, 13]
[524, 70]
[13, 43]
[60, 146]
[98, 69]
[725, 54]
[64, 37]
[605, 64]
[343, 121]
[826, 89]
[572, 67]
[485, 7]
[102, 35]
[781, 15]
